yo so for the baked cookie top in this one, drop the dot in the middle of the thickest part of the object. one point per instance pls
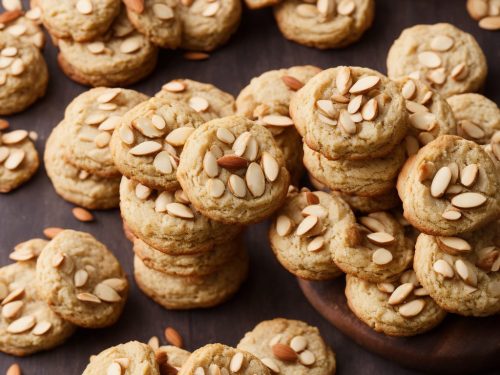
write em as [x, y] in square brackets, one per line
[232, 170]
[446, 58]
[350, 113]
[81, 280]
[289, 347]
[24, 27]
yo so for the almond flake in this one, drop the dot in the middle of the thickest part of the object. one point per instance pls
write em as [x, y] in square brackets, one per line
[131, 44]
[12, 309]
[256, 182]
[80, 278]
[162, 162]
[21, 325]
[237, 186]
[108, 95]
[210, 165]
[469, 175]
[199, 371]
[163, 11]
[142, 191]
[346, 7]
[126, 135]
[423, 121]
[442, 43]
[370, 110]
[58, 259]
[298, 343]
[270, 167]
[472, 130]
[114, 369]
[17, 30]
[346, 123]
[382, 257]
[225, 135]
[400, 293]
[409, 89]
[307, 10]
[412, 308]
[316, 244]
[14, 159]
[306, 225]
[440, 182]
[426, 97]
[240, 144]
[307, 358]
[340, 99]
[215, 187]
[88, 297]
[468, 200]
[211, 9]
[14, 137]
[459, 72]
[284, 353]
[315, 210]
[180, 210]
[438, 76]
[269, 362]
[102, 139]
[326, 7]
[490, 23]
[251, 150]
[162, 200]
[41, 328]
[198, 103]
[380, 238]
[451, 215]
[12, 296]
[174, 86]
[106, 293]
[327, 108]
[84, 6]
[116, 283]
[179, 136]
[442, 267]
[343, 80]
[110, 123]
[355, 104]
[385, 287]
[453, 244]
[425, 137]
[51, 232]
[415, 107]
[277, 120]
[236, 362]
[327, 120]
[429, 59]
[283, 225]
[364, 84]
[372, 224]
[146, 148]
[96, 47]
[466, 273]
[22, 255]
[12, 5]
[4, 153]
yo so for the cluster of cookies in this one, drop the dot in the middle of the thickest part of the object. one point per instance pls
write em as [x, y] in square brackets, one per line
[288, 347]
[73, 280]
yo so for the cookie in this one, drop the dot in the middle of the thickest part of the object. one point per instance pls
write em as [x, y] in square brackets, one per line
[366, 205]
[81, 280]
[18, 159]
[23, 27]
[176, 357]
[446, 58]
[478, 117]
[79, 20]
[402, 308]
[147, 144]
[77, 185]
[232, 170]
[167, 221]
[303, 230]
[462, 273]
[450, 186]
[303, 350]
[181, 293]
[209, 101]
[218, 358]
[23, 74]
[258, 4]
[350, 113]
[132, 357]
[120, 57]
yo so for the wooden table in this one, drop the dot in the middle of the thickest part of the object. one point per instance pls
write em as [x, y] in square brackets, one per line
[270, 291]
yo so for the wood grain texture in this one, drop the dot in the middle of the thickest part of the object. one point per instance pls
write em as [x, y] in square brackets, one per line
[270, 291]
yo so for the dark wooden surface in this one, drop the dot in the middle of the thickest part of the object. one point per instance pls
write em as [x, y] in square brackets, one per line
[270, 291]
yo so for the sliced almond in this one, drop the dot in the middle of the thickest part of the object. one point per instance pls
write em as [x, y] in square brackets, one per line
[14, 137]
[131, 44]
[315, 210]
[12, 309]
[316, 244]
[178, 137]
[412, 308]
[327, 107]
[409, 89]
[451, 215]
[106, 293]
[241, 142]
[255, 179]
[355, 104]
[13, 295]
[466, 273]
[225, 135]
[162, 162]
[307, 10]
[210, 165]
[469, 175]
[126, 135]
[370, 110]
[142, 191]
[382, 257]
[438, 76]
[423, 120]
[472, 130]
[429, 59]
[326, 7]
[327, 120]
[41, 328]
[80, 278]
[114, 368]
[426, 97]
[292, 82]
[380, 238]
[346, 123]
[215, 187]
[211, 9]
[468, 200]
[415, 107]
[236, 362]
[340, 98]
[237, 186]
[58, 259]
[490, 23]
[442, 43]
[307, 358]
[163, 11]
[425, 137]
[146, 148]
[400, 293]
[88, 297]
[442, 267]
[372, 224]
[180, 210]
[174, 86]
[343, 80]
[440, 182]
[385, 287]
[270, 166]
[21, 325]
[453, 245]
[277, 120]
[283, 225]
[198, 103]
[298, 343]
[308, 223]
[117, 284]
[459, 72]
[364, 84]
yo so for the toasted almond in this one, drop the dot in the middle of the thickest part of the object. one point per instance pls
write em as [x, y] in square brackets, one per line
[472, 130]
[173, 337]
[412, 308]
[14, 137]
[82, 214]
[343, 80]
[490, 23]
[442, 267]
[180, 210]
[13, 369]
[415, 107]
[142, 191]
[284, 353]
[225, 135]
[364, 84]
[198, 103]
[468, 200]
[255, 179]
[380, 238]
[459, 72]
[466, 273]
[385, 287]
[41, 328]
[21, 325]
[12, 309]
[327, 107]
[236, 362]
[453, 245]
[232, 162]
[306, 225]
[4, 124]
[292, 82]
[271, 364]
[346, 123]
[382, 257]
[270, 166]
[355, 104]
[179, 136]
[283, 225]
[277, 120]
[316, 244]
[146, 148]
[237, 186]
[372, 224]
[451, 215]
[51, 232]
[126, 135]
[469, 175]
[442, 43]
[307, 358]
[196, 56]
[400, 294]
[440, 182]
[13, 295]
[88, 297]
[116, 283]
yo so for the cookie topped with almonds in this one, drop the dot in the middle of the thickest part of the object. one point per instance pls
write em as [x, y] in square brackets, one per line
[25, 27]
[350, 113]
[81, 280]
[232, 171]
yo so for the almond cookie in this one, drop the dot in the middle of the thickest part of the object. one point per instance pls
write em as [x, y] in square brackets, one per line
[232, 170]
[209, 101]
[478, 117]
[81, 280]
[120, 57]
[462, 273]
[132, 357]
[450, 186]
[303, 230]
[168, 222]
[222, 359]
[18, 159]
[27, 324]
[326, 24]
[401, 308]
[350, 113]
[289, 347]
[77, 185]
[79, 20]
[180, 293]
[446, 58]
[25, 27]
[366, 205]
[374, 249]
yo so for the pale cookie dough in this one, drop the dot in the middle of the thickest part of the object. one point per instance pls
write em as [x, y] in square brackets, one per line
[167, 221]
[350, 113]
[132, 358]
[312, 356]
[24, 28]
[366, 205]
[402, 308]
[81, 280]
[149, 139]
[450, 186]
[232, 170]
[181, 293]
[446, 58]
[258, 4]
[478, 117]
[80, 20]
[209, 101]
[465, 280]
[302, 233]
[326, 24]
[222, 359]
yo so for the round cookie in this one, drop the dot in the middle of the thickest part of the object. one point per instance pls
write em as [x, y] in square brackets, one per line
[350, 113]
[303, 230]
[23, 27]
[446, 58]
[120, 57]
[450, 186]
[18, 159]
[366, 205]
[79, 20]
[149, 139]
[376, 249]
[314, 357]
[403, 308]
[23, 74]
[181, 293]
[218, 358]
[180, 231]
[209, 101]
[232, 170]
[81, 280]
[176, 357]
[77, 185]
[478, 117]
[326, 24]
[130, 358]
[465, 282]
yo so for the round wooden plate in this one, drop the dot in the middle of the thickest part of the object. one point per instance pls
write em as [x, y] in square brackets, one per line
[458, 345]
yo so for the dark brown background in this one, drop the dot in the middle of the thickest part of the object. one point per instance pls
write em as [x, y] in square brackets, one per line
[270, 291]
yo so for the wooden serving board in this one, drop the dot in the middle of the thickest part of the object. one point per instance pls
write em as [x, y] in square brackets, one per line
[459, 345]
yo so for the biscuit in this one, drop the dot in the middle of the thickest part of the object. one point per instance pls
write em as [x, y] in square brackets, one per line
[24, 28]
